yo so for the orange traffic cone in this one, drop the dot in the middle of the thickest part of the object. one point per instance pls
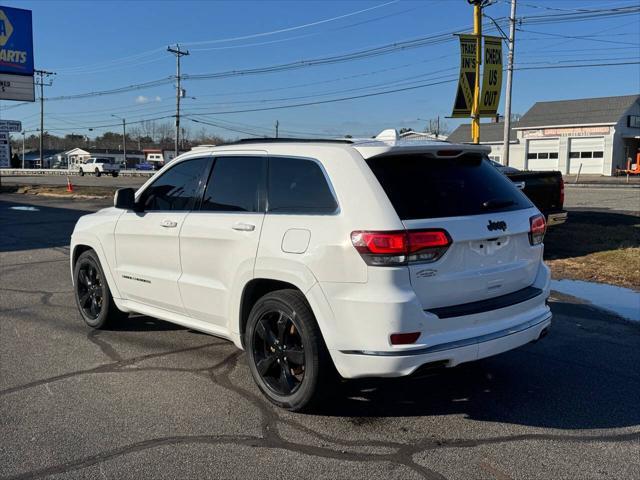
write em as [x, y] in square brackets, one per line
[69, 185]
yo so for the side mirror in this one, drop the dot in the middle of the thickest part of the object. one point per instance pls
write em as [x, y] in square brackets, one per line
[125, 198]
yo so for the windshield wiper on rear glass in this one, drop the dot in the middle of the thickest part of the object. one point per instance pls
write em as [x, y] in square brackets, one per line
[495, 204]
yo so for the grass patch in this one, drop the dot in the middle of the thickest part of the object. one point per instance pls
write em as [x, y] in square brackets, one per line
[61, 191]
[596, 246]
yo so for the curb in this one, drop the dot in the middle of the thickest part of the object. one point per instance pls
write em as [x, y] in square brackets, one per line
[601, 185]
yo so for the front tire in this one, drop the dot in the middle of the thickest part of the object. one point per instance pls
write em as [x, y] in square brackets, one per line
[114, 174]
[81, 172]
[92, 293]
[287, 355]
[98, 173]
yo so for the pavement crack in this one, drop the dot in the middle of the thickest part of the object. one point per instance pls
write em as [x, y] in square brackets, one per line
[112, 367]
[94, 337]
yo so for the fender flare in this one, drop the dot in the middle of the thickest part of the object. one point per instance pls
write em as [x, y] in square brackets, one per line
[96, 246]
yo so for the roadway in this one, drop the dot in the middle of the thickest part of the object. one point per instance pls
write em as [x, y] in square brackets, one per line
[152, 400]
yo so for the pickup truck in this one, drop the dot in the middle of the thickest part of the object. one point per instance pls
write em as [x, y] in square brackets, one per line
[99, 166]
[544, 189]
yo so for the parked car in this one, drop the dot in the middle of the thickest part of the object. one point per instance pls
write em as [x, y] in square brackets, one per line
[544, 189]
[145, 166]
[365, 258]
[98, 166]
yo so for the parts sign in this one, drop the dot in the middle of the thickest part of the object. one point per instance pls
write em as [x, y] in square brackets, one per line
[16, 41]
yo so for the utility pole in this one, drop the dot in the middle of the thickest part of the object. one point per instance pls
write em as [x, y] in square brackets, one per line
[475, 108]
[124, 138]
[23, 134]
[42, 74]
[507, 102]
[178, 53]
[277, 126]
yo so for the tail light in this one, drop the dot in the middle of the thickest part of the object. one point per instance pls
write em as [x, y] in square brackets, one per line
[404, 338]
[401, 247]
[561, 193]
[537, 230]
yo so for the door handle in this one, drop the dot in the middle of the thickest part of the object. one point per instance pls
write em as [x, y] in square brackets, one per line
[519, 185]
[244, 227]
[168, 224]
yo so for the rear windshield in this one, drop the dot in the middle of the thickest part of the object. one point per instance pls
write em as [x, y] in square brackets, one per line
[420, 186]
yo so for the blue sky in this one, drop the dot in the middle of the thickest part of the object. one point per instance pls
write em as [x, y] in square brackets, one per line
[101, 45]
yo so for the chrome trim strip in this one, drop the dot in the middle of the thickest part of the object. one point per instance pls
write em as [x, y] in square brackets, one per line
[457, 343]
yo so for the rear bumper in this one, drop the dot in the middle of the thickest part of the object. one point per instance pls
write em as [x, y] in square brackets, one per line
[354, 364]
[358, 319]
[556, 218]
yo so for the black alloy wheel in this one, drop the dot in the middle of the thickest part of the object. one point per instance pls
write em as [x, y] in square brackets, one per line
[278, 352]
[90, 289]
[287, 356]
[92, 293]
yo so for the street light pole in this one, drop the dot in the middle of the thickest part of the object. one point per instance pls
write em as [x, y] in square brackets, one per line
[23, 134]
[124, 138]
[507, 100]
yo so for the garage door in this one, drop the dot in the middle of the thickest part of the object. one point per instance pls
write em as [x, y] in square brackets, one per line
[586, 151]
[542, 155]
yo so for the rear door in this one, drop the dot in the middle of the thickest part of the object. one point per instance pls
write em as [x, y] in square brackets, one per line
[485, 215]
[147, 241]
[219, 240]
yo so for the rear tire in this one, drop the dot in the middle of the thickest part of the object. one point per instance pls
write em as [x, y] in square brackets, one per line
[92, 293]
[287, 355]
[98, 173]
[114, 174]
[81, 172]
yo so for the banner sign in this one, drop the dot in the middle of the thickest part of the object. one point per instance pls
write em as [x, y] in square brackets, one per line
[466, 83]
[492, 77]
[16, 41]
[16, 87]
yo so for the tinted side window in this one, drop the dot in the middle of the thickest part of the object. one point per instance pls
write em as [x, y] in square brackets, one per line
[178, 188]
[236, 184]
[297, 185]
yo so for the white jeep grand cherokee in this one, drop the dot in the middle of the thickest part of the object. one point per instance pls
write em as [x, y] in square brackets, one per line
[369, 258]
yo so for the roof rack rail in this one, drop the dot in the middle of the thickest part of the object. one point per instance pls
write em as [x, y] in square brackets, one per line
[243, 141]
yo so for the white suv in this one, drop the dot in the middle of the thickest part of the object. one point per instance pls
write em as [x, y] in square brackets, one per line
[99, 166]
[369, 258]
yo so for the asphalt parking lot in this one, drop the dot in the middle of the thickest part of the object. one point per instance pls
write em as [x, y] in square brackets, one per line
[153, 400]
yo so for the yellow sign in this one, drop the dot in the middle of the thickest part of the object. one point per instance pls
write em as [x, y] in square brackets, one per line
[6, 29]
[466, 82]
[492, 77]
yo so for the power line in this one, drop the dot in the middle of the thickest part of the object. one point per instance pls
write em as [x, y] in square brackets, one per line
[577, 37]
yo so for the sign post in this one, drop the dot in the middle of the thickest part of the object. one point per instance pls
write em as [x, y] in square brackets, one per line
[475, 109]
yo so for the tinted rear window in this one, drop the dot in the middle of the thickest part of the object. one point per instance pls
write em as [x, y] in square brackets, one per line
[423, 187]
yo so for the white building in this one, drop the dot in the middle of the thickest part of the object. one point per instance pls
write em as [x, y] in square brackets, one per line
[591, 135]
